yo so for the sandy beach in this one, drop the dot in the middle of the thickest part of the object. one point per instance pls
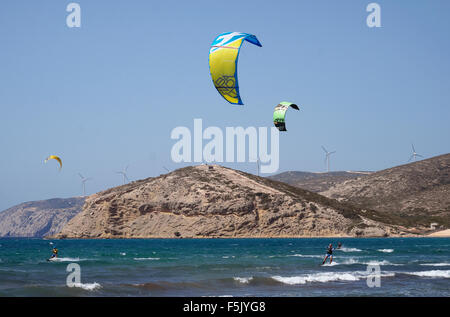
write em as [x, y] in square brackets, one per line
[443, 233]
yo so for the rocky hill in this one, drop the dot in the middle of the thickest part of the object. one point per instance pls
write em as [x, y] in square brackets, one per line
[316, 182]
[214, 201]
[38, 218]
[418, 192]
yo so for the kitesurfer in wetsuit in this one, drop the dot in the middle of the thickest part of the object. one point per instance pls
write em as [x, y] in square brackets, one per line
[339, 245]
[329, 254]
[54, 253]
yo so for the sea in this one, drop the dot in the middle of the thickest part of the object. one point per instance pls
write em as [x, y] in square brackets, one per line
[226, 267]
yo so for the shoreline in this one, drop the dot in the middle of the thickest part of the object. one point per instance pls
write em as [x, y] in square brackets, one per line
[244, 237]
[440, 234]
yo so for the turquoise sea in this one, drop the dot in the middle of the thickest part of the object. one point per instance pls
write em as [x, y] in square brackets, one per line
[226, 267]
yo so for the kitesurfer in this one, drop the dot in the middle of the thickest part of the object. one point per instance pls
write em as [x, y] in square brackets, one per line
[54, 253]
[329, 254]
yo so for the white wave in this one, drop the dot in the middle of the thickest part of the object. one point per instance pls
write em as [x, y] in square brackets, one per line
[330, 264]
[326, 277]
[350, 249]
[386, 250]
[243, 280]
[433, 273]
[66, 259]
[384, 262]
[374, 262]
[87, 286]
[351, 261]
[318, 277]
[143, 259]
[436, 264]
[307, 255]
[123, 253]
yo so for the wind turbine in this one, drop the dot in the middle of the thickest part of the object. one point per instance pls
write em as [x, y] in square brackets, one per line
[258, 164]
[124, 174]
[327, 157]
[414, 154]
[166, 169]
[83, 182]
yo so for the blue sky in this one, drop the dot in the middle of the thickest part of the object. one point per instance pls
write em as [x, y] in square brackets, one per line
[109, 93]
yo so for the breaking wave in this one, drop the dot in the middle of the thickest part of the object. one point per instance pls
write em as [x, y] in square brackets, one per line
[144, 259]
[66, 259]
[436, 264]
[326, 277]
[349, 249]
[244, 280]
[87, 286]
[433, 273]
[386, 250]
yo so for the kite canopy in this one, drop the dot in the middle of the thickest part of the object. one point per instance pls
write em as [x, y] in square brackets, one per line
[223, 57]
[279, 114]
[54, 157]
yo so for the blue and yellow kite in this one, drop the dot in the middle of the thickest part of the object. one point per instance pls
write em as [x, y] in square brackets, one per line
[223, 58]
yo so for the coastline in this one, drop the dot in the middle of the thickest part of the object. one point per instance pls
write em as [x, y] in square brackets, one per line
[440, 234]
[237, 237]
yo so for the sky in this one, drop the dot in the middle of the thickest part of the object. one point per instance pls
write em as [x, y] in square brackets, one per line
[108, 94]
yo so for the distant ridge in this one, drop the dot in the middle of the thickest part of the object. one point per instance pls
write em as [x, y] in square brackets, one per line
[317, 181]
[419, 192]
[39, 218]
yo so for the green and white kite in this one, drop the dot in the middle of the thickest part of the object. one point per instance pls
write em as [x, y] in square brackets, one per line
[279, 114]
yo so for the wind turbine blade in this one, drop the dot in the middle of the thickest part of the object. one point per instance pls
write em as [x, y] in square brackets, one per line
[411, 158]
[419, 155]
[324, 149]
[332, 152]
[81, 175]
[412, 145]
[126, 168]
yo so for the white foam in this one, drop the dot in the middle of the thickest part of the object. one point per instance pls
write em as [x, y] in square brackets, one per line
[123, 253]
[66, 259]
[306, 255]
[143, 259]
[326, 277]
[349, 249]
[351, 261]
[386, 250]
[244, 280]
[436, 264]
[384, 262]
[433, 273]
[318, 277]
[330, 264]
[87, 286]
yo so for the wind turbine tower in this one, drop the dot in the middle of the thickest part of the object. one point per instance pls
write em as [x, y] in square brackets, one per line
[414, 154]
[124, 174]
[327, 158]
[83, 182]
